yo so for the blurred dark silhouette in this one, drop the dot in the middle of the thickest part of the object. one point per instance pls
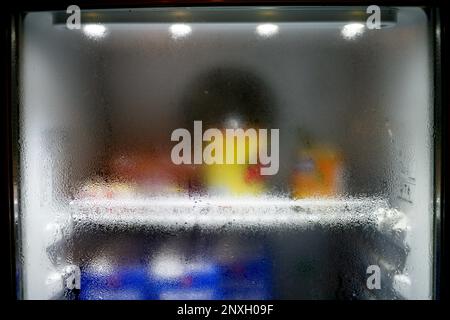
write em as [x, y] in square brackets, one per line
[225, 94]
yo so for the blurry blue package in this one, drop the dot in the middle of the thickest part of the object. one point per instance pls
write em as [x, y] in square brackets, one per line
[232, 270]
[247, 280]
[161, 279]
[245, 268]
[122, 283]
[198, 281]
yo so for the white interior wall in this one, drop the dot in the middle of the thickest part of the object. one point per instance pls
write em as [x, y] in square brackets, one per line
[56, 93]
[389, 133]
[406, 96]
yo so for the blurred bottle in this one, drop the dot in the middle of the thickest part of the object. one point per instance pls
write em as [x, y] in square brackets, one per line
[319, 168]
[230, 97]
[235, 179]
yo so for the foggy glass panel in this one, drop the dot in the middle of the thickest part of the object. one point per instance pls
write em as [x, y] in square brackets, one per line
[113, 197]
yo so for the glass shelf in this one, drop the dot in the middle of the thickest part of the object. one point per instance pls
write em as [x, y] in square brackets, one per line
[234, 213]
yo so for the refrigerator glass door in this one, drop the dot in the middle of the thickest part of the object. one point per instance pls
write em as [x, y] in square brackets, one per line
[226, 153]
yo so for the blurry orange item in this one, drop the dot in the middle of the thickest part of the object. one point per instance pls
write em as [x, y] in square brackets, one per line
[150, 171]
[318, 173]
[98, 188]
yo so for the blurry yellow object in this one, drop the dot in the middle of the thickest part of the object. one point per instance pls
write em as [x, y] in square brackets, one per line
[238, 179]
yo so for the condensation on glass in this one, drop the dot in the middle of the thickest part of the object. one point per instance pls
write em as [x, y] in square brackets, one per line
[106, 214]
